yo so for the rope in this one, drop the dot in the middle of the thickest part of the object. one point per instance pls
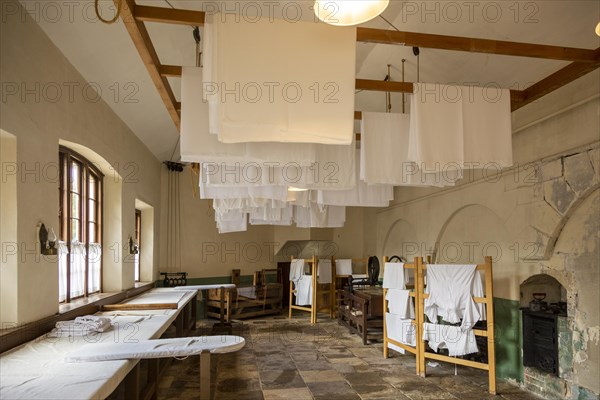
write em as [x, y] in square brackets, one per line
[107, 21]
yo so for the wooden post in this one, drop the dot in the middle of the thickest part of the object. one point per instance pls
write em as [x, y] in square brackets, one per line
[291, 294]
[205, 375]
[315, 283]
[153, 376]
[420, 309]
[386, 351]
[132, 383]
[489, 298]
[332, 290]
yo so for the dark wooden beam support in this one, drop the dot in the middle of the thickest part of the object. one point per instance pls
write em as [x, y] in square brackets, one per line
[173, 71]
[143, 44]
[558, 79]
[169, 15]
[473, 45]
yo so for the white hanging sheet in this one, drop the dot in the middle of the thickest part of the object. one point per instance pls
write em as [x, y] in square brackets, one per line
[199, 146]
[292, 86]
[384, 154]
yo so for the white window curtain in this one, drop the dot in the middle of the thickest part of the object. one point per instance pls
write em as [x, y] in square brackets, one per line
[95, 261]
[63, 259]
[77, 280]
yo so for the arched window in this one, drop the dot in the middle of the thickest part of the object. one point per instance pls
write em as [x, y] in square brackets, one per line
[80, 226]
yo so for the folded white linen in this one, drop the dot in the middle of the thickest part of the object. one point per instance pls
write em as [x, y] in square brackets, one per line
[400, 303]
[395, 276]
[324, 271]
[343, 267]
[296, 270]
[303, 92]
[401, 330]
[304, 291]
[457, 341]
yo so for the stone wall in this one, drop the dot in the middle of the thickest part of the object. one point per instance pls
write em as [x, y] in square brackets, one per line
[539, 217]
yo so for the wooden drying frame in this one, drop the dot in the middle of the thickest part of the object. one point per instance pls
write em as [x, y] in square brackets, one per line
[314, 309]
[582, 61]
[419, 350]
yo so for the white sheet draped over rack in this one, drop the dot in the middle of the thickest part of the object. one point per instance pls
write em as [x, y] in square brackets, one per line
[324, 271]
[304, 290]
[395, 276]
[401, 330]
[449, 288]
[286, 111]
[453, 338]
[343, 267]
[400, 303]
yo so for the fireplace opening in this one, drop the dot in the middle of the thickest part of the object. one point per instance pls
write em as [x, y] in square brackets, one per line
[543, 301]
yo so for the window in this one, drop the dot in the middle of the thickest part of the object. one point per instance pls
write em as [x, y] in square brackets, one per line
[80, 249]
[138, 240]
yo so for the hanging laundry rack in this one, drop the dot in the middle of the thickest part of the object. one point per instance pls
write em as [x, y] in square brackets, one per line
[319, 291]
[418, 350]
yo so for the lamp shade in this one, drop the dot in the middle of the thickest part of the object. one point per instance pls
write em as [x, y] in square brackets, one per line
[349, 12]
[598, 29]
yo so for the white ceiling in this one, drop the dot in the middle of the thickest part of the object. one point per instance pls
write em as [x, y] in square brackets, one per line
[105, 54]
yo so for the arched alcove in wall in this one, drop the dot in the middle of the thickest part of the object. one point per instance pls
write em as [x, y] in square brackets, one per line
[8, 229]
[576, 264]
[475, 231]
[113, 238]
[401, 240]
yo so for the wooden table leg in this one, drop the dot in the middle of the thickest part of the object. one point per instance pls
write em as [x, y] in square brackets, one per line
[205, 376]
[153, 376]
[132, 383]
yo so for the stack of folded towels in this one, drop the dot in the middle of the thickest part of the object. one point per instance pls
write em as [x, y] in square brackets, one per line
[81, 326]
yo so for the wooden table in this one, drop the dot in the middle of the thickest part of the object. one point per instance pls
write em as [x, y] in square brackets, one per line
[361, 311]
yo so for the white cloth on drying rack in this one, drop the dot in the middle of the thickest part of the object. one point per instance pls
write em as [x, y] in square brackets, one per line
[478, 291]
[401, 330]
[324, 271]
[343, 267]
[457, 341]
[304, 290]
[449, 288]
[400, 303]
[296, 270]
[395, 276]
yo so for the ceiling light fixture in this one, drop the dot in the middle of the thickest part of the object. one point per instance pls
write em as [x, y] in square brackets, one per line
[598, 29]
[349, 12]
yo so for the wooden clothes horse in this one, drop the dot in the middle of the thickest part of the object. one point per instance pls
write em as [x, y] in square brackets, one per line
[416, 350]
[319, 292]
[488, 300]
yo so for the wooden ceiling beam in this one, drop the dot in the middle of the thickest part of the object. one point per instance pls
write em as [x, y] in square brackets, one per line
[172, 71]
[143, 44]
[169, 15]
[552, 82]
[473, 45]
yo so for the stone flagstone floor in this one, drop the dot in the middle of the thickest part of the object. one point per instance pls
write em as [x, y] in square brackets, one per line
[290, 359]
